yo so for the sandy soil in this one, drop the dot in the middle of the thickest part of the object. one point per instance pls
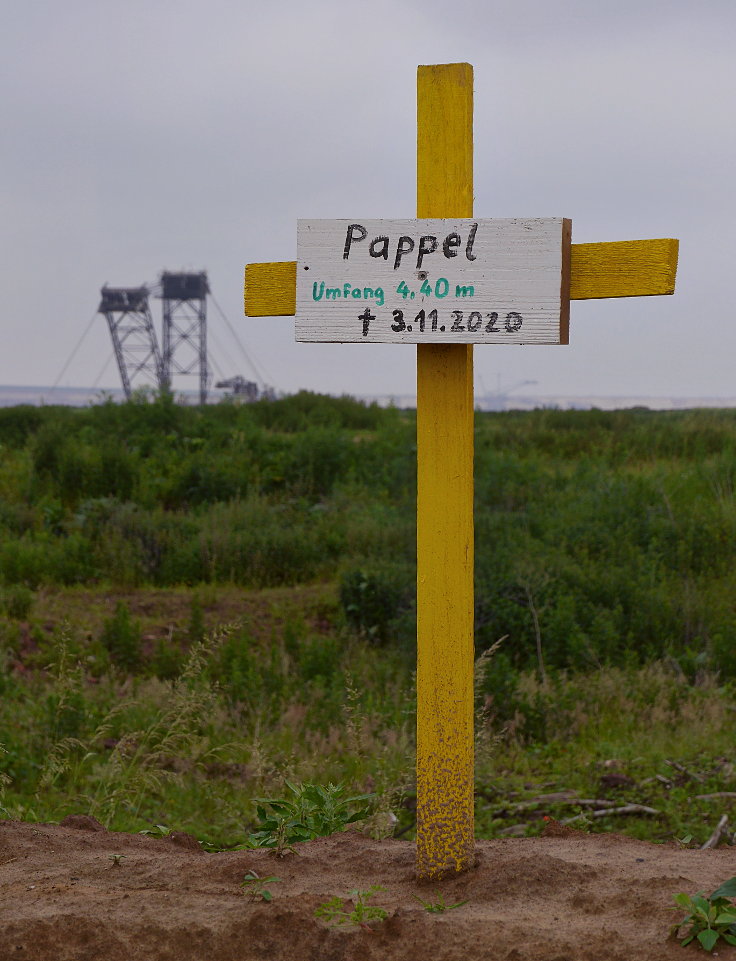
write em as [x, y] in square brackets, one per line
[567, 896]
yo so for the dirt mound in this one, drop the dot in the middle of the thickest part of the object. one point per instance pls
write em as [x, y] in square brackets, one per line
[75, 892]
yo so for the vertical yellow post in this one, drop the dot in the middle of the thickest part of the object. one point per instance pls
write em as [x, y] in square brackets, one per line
[445, 823]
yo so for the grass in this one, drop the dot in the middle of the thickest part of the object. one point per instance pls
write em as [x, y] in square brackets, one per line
[605, 558]
[197, 751]
[644, 736]
[438, 906]
[602, 538]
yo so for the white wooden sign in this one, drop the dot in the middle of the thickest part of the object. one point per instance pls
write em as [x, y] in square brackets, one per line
[433, 281]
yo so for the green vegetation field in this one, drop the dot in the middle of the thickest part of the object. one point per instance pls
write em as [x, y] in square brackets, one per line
[197, 605]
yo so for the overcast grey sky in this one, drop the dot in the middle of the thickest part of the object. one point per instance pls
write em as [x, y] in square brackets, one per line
[184, 134]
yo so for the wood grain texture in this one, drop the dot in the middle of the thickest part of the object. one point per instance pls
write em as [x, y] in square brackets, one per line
[565, 281]
[445, 815]
[445, 649]
[445, 140]
[269, 290]
[626, 268]
[503, 280]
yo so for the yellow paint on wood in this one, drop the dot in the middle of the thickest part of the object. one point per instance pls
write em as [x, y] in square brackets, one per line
[269, 290]
[627, 268]
[445, 823]
[445, 140]
[445, 820]
[445, 817]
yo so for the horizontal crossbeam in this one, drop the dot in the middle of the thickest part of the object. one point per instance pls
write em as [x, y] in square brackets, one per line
[627, 268]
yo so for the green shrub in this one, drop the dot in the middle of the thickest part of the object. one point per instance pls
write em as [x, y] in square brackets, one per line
[310, 811]
[46, 559]
[196, 630]
[19, 423]
[167, 658]
[17, 602]
[47, 446]
[318, 659]
[121, 638]
[305, 409]
[238, 669]
[615, 529]
[374, 598]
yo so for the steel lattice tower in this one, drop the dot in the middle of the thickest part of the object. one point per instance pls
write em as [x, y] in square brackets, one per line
[184, 333]
[133, 337]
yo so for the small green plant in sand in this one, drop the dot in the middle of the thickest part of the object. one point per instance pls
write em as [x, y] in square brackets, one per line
[709, 918]
[312, 811]
[336, 910]
[157, 831]
[116, 859]
[683, 842]
[438, 906]
[255, 886]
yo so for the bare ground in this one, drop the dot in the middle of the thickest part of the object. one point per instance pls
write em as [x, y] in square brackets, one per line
[66, 895]
[160, 610]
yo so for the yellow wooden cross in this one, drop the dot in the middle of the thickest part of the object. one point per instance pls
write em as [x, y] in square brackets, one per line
[445, 782]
